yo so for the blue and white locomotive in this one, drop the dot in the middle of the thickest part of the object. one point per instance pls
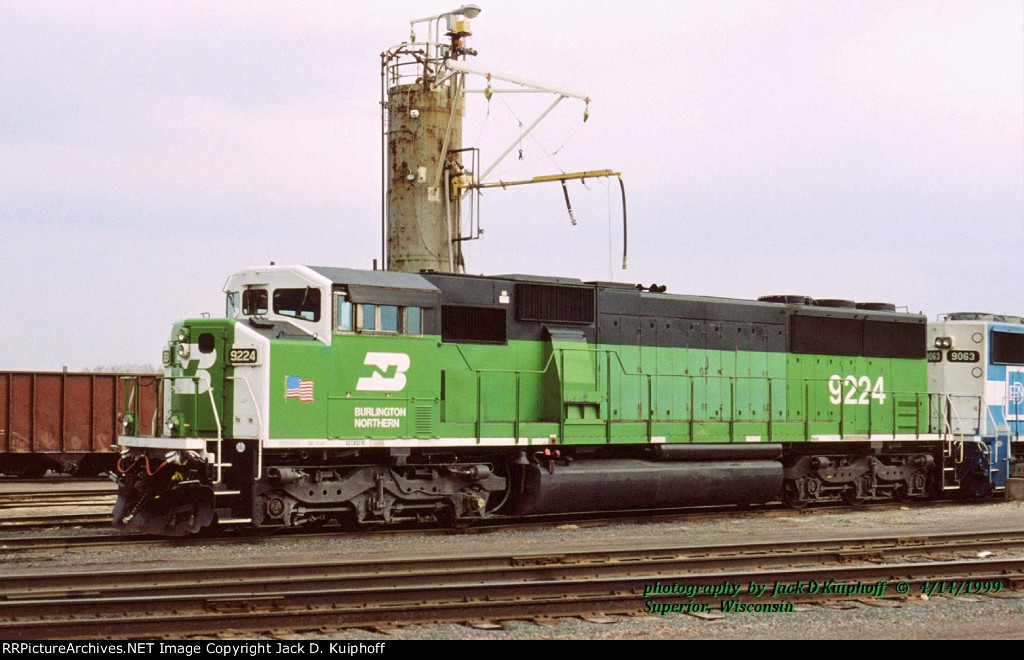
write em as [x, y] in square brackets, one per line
[977, 361]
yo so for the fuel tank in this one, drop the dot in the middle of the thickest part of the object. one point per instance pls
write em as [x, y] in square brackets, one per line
[614, 484]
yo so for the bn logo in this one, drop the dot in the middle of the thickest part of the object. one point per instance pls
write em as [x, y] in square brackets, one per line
[1017, 393]
[381, 380]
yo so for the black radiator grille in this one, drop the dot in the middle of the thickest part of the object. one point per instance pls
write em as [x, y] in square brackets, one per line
[897, 340]
[825, 335]
[839, 336]
[551, 303]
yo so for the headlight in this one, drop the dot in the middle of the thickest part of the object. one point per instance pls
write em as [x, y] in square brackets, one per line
[171, 423]
[182, 335]
[183, 351]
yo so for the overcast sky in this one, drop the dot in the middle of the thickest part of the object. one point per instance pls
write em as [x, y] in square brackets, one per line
[869, 150]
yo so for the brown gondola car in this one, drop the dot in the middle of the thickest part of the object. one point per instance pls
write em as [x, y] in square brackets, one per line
[67, 422]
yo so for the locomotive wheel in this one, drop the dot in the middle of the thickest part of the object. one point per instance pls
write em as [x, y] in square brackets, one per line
[900, 493]
[446, 516]
[851, 498]
[349, 521]
[976, 487]
[982, 492]
[315, 524]
[791, 496]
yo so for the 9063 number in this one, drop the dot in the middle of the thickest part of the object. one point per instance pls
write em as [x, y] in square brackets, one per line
[858, 391]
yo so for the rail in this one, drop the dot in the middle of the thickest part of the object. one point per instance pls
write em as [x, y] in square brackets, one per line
[952, 445]
[157, 431]
[603, 389]
[1012, 429]
[812, 391]
[986, 424]
[133, 400]
[416, 62]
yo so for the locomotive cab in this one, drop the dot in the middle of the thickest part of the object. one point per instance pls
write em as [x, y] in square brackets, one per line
[194, 462]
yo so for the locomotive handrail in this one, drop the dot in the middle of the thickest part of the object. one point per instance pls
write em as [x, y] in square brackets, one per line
[518, 373]
[993, 468]
[133, 400]
[216, 418]
[991, 417]
[627, 372]
[478, 372]
[547, 365]
[129, 394]
[951, 409]
[155, 423]
[158, 426]
[770, 383]
[1012, 429]
[158, 409]
[128, 406]
[727, 411]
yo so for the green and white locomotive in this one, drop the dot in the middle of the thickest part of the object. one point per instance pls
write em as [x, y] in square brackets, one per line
[379, 396]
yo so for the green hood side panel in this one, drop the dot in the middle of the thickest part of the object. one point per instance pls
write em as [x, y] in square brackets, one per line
[384, 387]
[397, 387]
[362, 386]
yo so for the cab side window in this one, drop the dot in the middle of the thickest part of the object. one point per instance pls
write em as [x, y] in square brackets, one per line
[413, 322]
[344, 320]
[378, 319]
[388, 318]
[367, 317]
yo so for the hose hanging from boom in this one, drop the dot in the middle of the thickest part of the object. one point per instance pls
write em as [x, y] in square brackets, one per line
[568, 205]
[622, 187]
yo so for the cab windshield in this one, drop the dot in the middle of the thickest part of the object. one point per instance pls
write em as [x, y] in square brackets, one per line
[298, 303]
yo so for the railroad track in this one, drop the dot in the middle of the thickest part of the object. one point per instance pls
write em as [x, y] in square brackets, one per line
[55, 520]
[211, 599]
[48, 508]
[51, 502]
[75, 482]
[52, 498]
[113, 539]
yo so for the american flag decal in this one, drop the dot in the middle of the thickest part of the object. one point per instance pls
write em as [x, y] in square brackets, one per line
[298, 388]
